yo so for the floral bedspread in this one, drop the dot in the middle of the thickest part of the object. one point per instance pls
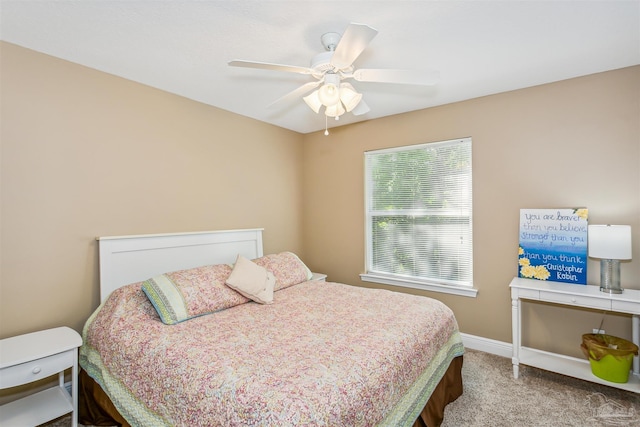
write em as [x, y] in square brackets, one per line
[323, 354]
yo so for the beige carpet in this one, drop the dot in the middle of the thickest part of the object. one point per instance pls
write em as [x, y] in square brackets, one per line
[493, 398]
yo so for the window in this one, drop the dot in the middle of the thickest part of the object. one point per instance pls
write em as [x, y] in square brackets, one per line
[419, 216]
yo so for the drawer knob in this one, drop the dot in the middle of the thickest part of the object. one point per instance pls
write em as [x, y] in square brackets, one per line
[36, 370]
[573, 300]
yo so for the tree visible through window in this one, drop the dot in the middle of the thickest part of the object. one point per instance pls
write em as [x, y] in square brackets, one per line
[419, 213]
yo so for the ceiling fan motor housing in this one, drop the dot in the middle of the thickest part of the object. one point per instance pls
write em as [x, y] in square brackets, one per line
[322, 61]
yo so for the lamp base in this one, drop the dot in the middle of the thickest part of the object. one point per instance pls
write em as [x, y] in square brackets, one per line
[611, 291]
[610, 276]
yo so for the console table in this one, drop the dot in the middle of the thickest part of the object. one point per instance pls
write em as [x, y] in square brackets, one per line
[580, 296]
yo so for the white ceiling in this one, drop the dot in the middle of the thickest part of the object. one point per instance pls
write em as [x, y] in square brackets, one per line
[479, 47]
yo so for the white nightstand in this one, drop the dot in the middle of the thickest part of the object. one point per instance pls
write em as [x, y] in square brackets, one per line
[31, 357]
[319, 276]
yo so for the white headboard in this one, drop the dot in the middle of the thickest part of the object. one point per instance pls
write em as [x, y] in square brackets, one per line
[131, 259]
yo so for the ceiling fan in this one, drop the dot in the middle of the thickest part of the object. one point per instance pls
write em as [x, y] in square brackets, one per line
[332, 68]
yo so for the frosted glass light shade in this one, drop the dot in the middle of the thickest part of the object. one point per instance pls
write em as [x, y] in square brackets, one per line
[334, 110]
[610, 241]
[313, 101]
[329, 95]
[349, 97]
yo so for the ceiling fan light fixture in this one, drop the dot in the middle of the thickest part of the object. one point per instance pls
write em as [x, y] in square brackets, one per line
[335, 110]
[313, 101]
[349, 97]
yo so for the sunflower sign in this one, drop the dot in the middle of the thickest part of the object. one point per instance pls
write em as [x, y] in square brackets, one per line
[553, 245]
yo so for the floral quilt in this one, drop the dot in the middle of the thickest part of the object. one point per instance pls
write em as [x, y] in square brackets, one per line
[323, 354]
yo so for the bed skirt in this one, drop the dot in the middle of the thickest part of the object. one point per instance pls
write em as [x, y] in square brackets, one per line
[95, 407]
[448, 389]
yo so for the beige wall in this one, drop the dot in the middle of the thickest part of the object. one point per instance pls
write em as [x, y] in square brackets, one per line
[568, 144]
[87, 154]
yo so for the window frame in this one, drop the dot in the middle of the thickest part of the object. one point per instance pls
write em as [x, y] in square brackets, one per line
[439, 285]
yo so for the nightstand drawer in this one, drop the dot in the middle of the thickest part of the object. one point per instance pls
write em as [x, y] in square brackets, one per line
[577, 300]
[35, 370]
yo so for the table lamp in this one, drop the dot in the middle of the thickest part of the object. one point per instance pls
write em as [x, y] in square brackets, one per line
[610, 243]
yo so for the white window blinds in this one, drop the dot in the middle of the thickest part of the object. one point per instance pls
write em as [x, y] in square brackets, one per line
[419, 213]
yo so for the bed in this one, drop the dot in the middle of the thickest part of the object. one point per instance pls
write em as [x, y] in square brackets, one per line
[205, 329]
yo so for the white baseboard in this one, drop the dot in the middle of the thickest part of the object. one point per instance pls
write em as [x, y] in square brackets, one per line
[499, 348]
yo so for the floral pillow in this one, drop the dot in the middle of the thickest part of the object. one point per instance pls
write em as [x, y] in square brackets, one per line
[184, 294]
[288, 269]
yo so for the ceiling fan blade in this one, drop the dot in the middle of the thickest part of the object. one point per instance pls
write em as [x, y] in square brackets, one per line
[269, 66]
[408, 77]
[354, 40]
[296, 93]
[360, 109]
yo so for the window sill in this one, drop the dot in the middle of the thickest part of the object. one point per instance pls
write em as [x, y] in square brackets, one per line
[455, 290]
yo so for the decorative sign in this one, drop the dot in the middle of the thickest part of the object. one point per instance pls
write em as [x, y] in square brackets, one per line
[553, 245]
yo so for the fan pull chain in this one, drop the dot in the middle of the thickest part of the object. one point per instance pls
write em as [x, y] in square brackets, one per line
[326, 126]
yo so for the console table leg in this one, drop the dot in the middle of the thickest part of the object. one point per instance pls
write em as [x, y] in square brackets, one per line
[515, 330]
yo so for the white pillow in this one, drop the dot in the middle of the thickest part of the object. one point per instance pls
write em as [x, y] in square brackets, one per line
[252, 281]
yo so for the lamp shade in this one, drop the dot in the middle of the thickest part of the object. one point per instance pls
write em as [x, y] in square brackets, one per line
[610, 241]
